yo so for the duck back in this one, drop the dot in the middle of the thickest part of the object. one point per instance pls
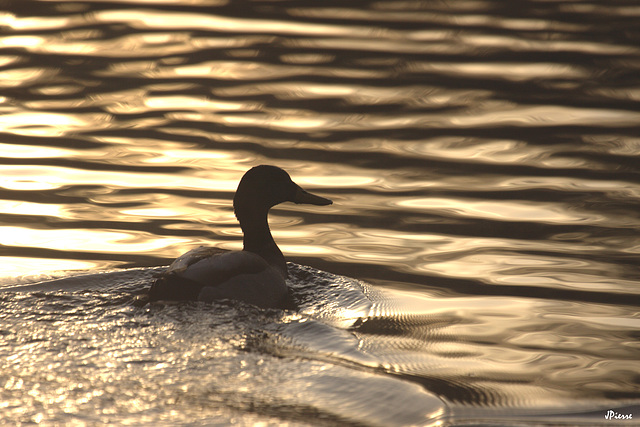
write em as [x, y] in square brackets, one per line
[238, 275]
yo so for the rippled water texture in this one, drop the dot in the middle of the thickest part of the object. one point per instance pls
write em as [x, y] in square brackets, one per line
[482, 156]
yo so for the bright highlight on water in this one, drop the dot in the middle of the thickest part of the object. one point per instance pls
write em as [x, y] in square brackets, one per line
[478, 265]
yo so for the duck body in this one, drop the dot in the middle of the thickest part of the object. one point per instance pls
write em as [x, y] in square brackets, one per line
[208, 274]
[257, 274]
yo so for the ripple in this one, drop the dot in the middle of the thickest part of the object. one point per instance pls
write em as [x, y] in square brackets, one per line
[51, 124]
[17, 269]
[504, 211]
[481, 157]
[529, 270]
[182, 20]
[48, 177]
[103, 241]
[524, 45]
[24, 76]
[15, 151]
[508, 71]
[535, 116]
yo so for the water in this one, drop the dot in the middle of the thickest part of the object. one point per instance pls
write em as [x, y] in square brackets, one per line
[483, 161]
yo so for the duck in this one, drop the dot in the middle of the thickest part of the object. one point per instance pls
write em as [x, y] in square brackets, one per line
[257, 274]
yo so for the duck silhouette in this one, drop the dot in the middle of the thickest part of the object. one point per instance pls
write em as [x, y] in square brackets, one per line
[257, 273]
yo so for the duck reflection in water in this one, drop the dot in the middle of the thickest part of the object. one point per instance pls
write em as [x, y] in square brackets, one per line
[256, 274]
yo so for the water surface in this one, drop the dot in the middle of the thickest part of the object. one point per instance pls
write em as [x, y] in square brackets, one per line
[482, 157]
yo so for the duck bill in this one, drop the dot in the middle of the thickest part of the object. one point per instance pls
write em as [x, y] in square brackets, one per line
[302, 196]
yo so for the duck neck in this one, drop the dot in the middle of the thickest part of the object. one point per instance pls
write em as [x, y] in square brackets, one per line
[258, 239]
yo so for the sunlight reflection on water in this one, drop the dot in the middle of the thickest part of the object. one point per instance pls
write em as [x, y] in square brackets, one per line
[482, 161]
[102, 241]
[503, 211]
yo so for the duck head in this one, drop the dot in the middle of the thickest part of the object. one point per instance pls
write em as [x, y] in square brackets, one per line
[263, 187]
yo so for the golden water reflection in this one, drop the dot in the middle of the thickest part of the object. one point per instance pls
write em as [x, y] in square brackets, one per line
[289, 102]
[503, 211]
[182, 20]
[23, 267]
[99, 241]
[482, 161]
[51, 124]
[554, 273]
